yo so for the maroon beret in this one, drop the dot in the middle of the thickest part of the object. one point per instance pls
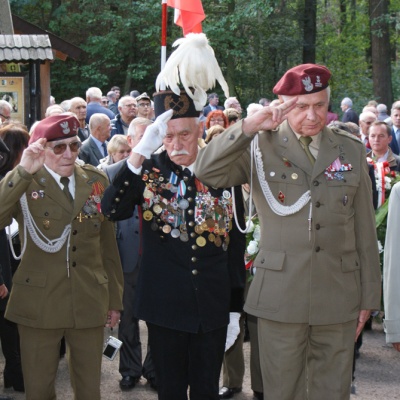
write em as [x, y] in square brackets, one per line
[303, 79]
[57, 127]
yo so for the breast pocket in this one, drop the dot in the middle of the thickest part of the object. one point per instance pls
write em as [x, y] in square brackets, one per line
[341, 193]
[267, 286]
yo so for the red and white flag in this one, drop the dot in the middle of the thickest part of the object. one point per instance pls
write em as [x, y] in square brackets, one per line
[188, 15]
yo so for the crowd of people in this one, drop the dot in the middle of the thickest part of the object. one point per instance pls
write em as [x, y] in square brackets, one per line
[133, 208]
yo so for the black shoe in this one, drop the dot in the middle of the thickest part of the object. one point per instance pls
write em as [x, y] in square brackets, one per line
[258, 395]
[128, 382]
[228, 393]
[17, 385]
[152, 382]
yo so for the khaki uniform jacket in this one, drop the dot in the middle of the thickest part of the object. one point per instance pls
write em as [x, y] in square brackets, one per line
[43, 295]
[320, 276]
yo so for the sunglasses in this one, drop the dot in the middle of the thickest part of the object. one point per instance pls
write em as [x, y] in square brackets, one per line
[60, 148]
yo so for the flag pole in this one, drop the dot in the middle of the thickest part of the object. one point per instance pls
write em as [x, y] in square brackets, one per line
[163, 35]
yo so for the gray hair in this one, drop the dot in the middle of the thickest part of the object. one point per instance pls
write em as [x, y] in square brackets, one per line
[382, 108]
[347, 102]
[94, 93]
[136, 122]
[5, 104]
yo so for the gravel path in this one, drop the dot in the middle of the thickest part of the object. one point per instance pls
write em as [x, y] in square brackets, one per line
[377, 374]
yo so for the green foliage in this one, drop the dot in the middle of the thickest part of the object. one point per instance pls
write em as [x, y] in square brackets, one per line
[255, 42]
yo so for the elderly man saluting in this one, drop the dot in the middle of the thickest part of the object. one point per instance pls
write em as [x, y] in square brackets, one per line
[69, 282]
[318, 271]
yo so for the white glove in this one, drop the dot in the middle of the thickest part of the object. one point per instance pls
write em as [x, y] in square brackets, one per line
[154, 135]
[233, 330]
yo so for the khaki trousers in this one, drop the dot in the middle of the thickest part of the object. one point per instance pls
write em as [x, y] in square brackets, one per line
[300, 362]
[40, 355]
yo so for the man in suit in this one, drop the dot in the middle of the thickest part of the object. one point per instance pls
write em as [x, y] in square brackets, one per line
[128, 240]
[94, 106]
[349, 115]
[69, 281]
[395, 118]
[367, 118]
[318, 272]
[213, 101]
[94, 148]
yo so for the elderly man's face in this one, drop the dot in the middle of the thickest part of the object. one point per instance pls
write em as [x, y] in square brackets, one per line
[128, 109]
[62, 164]
[309, 116]
[379, 139]
[214, 101]
[79, 108]
[365, 124]
[181, 140]
[5, 114]
[133, 140]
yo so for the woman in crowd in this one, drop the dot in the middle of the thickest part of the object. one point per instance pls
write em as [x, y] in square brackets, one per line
[117, 149]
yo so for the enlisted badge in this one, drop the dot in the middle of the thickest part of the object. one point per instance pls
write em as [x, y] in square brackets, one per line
[281, 197]
[35, 195]
[46, 224]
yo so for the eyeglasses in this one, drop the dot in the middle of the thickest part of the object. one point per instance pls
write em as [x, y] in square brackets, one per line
[144, 105]
[130, 105]
[60, 148]
[6, 118]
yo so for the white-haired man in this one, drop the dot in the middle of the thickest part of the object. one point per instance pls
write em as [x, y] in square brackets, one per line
[5, 110]
[349, 115]
[318, 272]
[233, 102]
[94, 106]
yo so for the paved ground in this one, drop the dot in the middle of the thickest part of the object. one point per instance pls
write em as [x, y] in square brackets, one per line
[377, 375]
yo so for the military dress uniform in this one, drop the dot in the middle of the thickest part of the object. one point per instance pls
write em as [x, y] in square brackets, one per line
[67, 292]
[318, 266]
[185, 282]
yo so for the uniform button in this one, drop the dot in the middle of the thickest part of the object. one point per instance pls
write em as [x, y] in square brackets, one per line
[317, 249]
[190, 188]
[46, 214]
[185, 178]
[73, 248]
[194, 247]
[195, 272]
[190, 212]
[74, 264]
[194, 259]
[317, 204]
[190, 199]
[231, 137]
[10, 184]
[74, 232]
[193, 234]
[283, 176]
[27, 280]
[191, 223]
[122, 191]
[318, 227]
[117, 200]
[126, 183]
[315, 183]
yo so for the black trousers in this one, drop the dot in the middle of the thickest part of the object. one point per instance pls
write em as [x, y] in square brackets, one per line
[183, 360]
[10, 346]
[130, 358]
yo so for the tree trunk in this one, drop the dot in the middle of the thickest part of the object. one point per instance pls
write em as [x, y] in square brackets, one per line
[310, 30]
[380, 46]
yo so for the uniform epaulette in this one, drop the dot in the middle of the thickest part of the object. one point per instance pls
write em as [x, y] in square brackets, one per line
[91, 168]
[347, 134]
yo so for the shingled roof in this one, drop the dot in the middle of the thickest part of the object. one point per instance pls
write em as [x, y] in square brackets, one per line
[25, 47]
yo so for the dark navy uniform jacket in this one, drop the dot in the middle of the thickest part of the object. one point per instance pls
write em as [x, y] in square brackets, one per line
[181, 285]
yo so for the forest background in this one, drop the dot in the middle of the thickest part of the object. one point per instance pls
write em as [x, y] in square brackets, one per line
[255, 42]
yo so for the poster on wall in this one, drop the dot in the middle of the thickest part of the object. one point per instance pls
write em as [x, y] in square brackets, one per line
[12, 90]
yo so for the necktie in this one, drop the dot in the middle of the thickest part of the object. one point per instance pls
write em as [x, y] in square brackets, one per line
[104, 146]
[65, 181]
[305, 141]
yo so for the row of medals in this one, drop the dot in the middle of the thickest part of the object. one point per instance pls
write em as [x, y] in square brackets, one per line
[216, 219]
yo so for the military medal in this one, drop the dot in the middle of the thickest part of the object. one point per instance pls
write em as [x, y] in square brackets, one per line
[154, 226]
[183, 204]
[147, 215]
[166, 228]
[157, 209]
[200, 241]
[35, 195]
[211, 237]
[46, 224]
[184, 237]
[218, 241]
[175, 233]
[226, 194]
[198, 229]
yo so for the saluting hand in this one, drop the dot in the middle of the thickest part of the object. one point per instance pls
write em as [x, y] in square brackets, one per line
[268, 118]
[33, 156]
